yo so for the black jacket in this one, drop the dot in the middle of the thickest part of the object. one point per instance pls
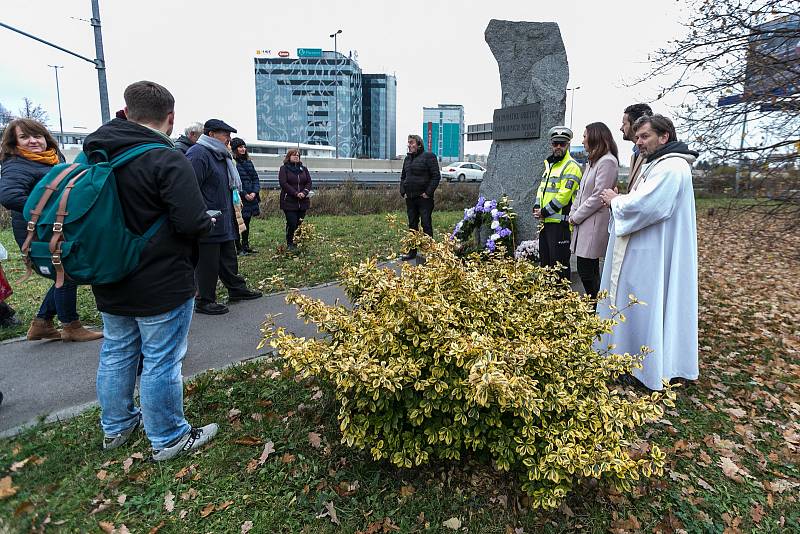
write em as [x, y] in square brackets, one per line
[250, 184]
[420, 174]
[183, 143]
[157, 182]
[211, 171]
[18, 177]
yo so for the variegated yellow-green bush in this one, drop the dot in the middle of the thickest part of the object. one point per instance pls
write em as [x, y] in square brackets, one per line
[492, 356]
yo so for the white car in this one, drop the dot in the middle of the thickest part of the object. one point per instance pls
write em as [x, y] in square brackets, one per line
[462, 171]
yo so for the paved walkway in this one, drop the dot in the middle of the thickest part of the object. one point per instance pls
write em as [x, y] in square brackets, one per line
[57, 380]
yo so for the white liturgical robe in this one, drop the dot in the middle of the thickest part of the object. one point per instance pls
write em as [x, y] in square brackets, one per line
[652, 255]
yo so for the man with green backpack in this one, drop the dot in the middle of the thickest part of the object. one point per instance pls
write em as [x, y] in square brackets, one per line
[149, 310]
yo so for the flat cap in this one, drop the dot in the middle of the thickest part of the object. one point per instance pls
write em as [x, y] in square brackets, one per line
[217, 125]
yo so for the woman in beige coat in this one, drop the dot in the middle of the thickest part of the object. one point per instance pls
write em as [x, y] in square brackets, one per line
[588, 215]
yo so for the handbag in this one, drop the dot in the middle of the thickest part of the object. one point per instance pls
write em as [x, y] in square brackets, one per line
[5, 287]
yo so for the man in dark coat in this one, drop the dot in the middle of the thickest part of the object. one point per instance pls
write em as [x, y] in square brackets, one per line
[418, 181]
[190, 136]
[147, 314]
[218, 178]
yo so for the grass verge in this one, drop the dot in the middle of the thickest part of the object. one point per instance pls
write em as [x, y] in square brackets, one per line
[732, 442]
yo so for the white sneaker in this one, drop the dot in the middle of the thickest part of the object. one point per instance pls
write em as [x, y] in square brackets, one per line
[195, 438]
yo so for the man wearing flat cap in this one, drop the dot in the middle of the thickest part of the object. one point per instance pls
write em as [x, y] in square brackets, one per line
[560, 182]
[220, 184]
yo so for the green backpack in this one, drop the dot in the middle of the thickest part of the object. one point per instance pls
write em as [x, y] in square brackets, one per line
[76, 227]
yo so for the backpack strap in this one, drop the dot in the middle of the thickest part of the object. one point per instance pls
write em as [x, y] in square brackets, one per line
[135, 152]
[58, 230]
[36, 213]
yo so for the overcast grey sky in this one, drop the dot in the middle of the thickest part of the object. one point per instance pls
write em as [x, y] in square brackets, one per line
[203, 52]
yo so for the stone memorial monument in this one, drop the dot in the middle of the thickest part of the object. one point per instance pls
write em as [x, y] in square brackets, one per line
[533, 77]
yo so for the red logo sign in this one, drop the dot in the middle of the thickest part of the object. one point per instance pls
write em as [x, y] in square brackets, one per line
[283, 53]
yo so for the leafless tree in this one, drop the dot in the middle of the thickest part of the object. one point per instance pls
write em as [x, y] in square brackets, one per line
[748, 53]
[33, 111]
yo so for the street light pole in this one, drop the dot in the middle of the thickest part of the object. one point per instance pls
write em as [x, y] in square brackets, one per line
[58, 95]
[99, 63]
[336, 93]
[572, 104]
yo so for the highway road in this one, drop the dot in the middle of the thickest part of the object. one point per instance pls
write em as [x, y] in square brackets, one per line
[269, 179]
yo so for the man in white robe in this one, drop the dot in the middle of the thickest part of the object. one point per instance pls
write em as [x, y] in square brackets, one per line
[652, 255]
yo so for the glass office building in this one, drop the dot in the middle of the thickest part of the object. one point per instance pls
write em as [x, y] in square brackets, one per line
[314, 100]
[380, 116]
[443, 131]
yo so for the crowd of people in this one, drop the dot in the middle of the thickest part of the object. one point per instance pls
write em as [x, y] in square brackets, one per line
[647, 234]
[206, 187]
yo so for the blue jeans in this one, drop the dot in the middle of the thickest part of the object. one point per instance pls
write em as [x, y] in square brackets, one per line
[61, 301]
[163, 340]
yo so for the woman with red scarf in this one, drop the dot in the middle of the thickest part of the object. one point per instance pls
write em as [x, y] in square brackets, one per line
[27, 153]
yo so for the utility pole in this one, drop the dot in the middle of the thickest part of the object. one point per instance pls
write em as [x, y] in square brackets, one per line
[99, 63]
[58, 95]
[336, 93]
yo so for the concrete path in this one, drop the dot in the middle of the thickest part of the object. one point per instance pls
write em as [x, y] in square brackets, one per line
[56, 380]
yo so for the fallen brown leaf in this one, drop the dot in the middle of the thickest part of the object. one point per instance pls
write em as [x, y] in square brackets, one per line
[206, 511]
[453, 523]
[407, 491]
[23, 508]
[157, 527]
[7, 489]
[287, 458]
[106, 527]
[315, 439]
[102, 474]
[249, 441]
[224, 505]
[247, 526]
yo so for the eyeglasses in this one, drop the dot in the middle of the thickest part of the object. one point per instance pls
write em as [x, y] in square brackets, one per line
[558, 143]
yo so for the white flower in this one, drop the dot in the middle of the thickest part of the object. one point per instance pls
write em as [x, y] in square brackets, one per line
[494, 213]
[470, 213]
[487, 205]
[495, 225]
[494, 237]
[459, 225]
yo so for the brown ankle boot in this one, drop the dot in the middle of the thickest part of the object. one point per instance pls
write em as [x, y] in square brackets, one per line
[75, 331]
[42, 329]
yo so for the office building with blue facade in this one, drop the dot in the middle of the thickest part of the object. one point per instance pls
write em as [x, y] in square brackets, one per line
[443, 131]
[314, 99]
[380, 116]
[318, 98]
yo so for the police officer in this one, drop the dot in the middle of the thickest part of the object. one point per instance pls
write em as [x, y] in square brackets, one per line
[560, 182]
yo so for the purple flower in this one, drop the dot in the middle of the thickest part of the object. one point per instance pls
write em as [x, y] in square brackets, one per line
[490, 245]
[504, 232]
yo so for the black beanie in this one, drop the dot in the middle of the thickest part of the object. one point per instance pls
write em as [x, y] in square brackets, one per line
[236, 142]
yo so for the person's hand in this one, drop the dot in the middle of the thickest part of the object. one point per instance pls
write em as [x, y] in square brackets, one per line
[424, 195]
[572, 221]
[250, 196]
[301, 195]
[607, 196]
[402, 195]
[537, 213]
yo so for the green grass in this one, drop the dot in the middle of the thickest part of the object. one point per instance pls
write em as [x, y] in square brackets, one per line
[339, 240]
[68, 483]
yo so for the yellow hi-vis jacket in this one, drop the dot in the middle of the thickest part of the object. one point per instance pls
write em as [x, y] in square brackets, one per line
[560, 182]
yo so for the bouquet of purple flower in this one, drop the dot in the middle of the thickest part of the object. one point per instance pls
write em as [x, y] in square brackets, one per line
[498, 216]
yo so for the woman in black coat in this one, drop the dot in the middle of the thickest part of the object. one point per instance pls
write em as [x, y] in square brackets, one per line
[250, 189]
[295, 183]
[27, 153]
